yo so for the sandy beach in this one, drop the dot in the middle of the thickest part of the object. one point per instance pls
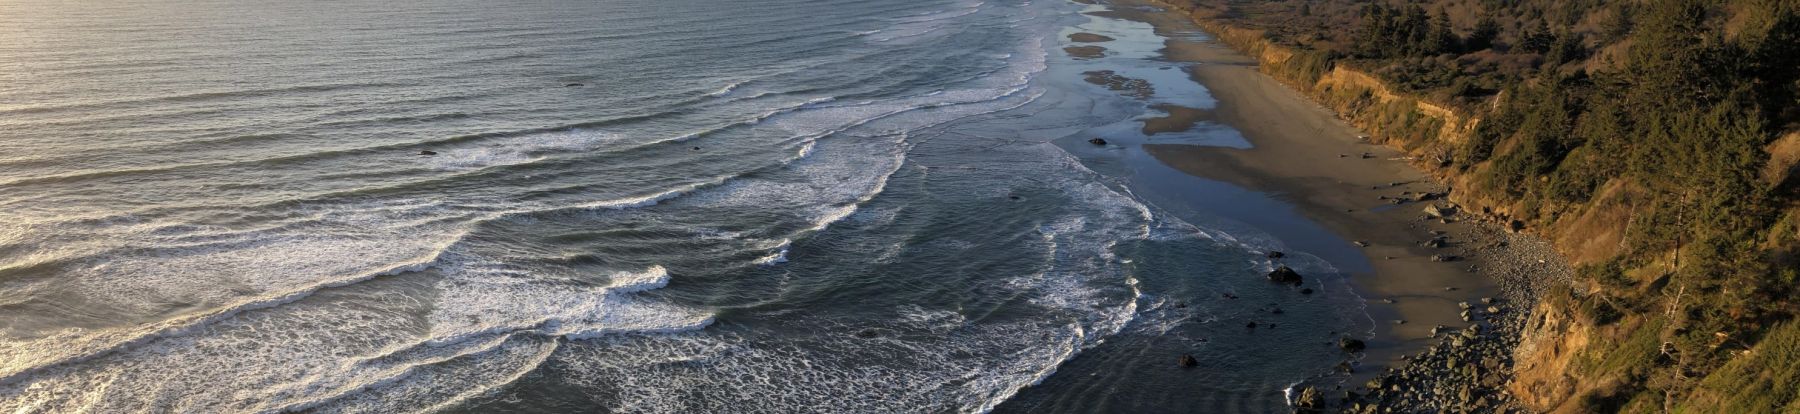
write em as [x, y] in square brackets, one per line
[1304, 155]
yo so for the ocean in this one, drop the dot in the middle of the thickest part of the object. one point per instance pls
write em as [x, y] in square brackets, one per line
[623, 206]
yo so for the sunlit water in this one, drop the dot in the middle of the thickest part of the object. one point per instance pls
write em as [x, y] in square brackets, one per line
[637, 206]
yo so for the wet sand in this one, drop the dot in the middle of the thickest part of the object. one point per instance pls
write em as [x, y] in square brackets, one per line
[1088, 38]
[1128, 86]
[1085, 52]
[1179, 119]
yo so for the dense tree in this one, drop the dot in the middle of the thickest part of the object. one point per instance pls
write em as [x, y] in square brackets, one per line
[1486, 31]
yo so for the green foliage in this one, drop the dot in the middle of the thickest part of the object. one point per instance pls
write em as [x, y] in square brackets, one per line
[1389, 32]
[1486, 31]
[1634, 358]
[1765, 380]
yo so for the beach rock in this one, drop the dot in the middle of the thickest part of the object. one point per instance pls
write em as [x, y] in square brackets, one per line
[1493, 310]
[1285, 275]
[1097, 141]
[1360, 243]
[427, 152]
[1187, 361]
[1463, 305]
[1349, 344]
[1435, 330]
[1387, 300]
[1436, 243]
[1487, 301]
[1276, 254]
[1310, 399]
[1437, 212]
[1445, 258]
[1367, 155]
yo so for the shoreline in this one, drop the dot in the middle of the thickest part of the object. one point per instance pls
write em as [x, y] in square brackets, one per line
[1306, 156]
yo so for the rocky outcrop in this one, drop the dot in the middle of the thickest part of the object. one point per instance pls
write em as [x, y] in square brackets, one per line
[1285, 275]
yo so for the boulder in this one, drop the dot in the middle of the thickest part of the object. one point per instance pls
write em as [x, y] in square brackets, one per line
[427, 152]
[1187, 361]
[1285, 275]
[1436, 211]
[1310, 398]
[1349, 344]
[1436, 243]
[1097, 141]
[1445, 258]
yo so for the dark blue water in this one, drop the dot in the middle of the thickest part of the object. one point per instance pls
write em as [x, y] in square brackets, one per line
[635, 206]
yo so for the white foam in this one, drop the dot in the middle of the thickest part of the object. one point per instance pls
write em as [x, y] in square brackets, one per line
[515, 150]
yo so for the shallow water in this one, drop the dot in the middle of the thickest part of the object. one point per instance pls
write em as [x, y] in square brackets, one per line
[633, 206]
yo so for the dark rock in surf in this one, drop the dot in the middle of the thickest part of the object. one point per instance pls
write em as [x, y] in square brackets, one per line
[1276, 254]
[1349, 344]
[1285, 275]
[1097, 141]
[1306, 291]
[1310, 399]
[427, 152]
[867, 333]
[1187, 361]
[1445, 258]
[572, 85]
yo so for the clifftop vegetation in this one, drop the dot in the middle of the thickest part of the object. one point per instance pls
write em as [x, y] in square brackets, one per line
[1667, 125]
